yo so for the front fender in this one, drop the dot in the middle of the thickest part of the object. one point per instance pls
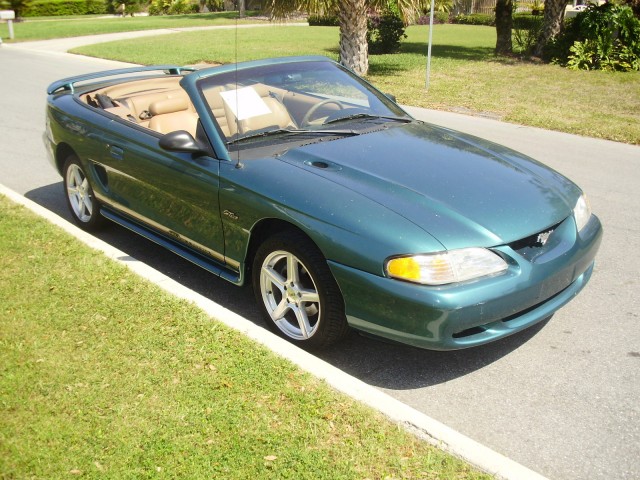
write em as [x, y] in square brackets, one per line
[349, 228]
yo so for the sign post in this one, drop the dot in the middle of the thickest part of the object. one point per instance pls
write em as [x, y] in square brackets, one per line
[9, 16]
[429, 47]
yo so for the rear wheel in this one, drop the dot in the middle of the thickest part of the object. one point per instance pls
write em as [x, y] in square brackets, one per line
[297, 293]
[84, 207]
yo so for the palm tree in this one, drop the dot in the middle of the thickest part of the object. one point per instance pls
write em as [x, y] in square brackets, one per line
[352, 16]
[551, 25]
[504, 26]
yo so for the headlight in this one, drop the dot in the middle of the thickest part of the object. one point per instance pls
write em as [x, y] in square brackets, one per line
[582, 212]
[446, 267]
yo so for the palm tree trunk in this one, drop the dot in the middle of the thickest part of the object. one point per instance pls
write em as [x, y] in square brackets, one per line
[353, 35]
[504, 24]
[551, 25]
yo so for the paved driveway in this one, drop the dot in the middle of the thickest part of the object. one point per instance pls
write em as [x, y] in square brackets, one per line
[561, 398]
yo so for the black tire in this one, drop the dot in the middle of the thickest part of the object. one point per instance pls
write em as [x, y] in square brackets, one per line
[82, 203]
[308, 292]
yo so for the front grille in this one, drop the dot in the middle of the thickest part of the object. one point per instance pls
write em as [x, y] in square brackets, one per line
[530, 246]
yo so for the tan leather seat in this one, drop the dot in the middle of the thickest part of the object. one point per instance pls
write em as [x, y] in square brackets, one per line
[139, 102]
[277, 118]
[171, 114]
[122, 112]
[223, 115]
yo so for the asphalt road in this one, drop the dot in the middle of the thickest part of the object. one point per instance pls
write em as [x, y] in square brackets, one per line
[561, 398]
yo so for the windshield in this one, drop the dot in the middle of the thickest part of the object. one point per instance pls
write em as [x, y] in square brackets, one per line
[285, 100]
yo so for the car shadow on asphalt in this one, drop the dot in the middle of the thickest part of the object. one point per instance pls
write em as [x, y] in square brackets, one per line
[374, 361]
[401, 367]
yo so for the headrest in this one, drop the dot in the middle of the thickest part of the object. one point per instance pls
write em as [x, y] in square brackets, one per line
[169, 105]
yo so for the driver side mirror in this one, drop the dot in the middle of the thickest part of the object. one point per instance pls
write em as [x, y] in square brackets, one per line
[181, 141]
[391, 97]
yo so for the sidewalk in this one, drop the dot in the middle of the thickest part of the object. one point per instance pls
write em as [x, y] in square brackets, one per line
[62, 45]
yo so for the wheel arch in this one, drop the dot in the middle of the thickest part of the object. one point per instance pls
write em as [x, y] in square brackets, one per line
[63, 151]
[264, 229]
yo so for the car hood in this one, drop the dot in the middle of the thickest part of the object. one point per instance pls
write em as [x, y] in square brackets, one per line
[462, 190]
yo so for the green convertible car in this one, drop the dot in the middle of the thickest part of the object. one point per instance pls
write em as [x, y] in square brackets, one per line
[340, 208]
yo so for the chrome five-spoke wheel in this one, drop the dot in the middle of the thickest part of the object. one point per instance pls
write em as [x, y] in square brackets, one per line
[290, 295]
[79, 193]
[84, 208]
[296, 291]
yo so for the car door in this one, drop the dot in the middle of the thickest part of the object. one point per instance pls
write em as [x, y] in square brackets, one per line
[175, 194]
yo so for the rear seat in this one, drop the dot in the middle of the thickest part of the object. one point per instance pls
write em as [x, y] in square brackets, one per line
[171, 114]
[122, 112]
[140, 104]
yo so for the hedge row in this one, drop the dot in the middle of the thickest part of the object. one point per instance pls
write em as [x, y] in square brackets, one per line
[319, 21]
[524, 21]
[439, 17]
[52, 8]
[475, 19]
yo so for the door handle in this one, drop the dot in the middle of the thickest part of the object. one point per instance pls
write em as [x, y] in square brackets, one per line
[116, 152]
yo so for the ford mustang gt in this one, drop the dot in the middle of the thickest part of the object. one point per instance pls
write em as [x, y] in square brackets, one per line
[342, 210]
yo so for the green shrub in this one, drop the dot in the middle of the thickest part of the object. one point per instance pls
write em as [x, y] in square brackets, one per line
[438, 17]
[215, 5]
[526, 30]
[635, 6]
[95, 7]
[605, 37]
[182, 7]
[475, 19]
[52, 8]
[172, 7]
[159, 7]
[385, 32]
[320, 21]
[441, 17]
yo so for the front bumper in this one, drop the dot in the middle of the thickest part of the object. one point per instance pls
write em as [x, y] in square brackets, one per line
[458, 316]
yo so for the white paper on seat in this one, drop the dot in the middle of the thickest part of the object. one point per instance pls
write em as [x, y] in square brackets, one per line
[245, 103]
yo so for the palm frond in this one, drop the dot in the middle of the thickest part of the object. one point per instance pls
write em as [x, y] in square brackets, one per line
[282, 8]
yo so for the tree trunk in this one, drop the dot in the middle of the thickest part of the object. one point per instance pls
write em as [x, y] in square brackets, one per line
[551, 24]
[241, 8]
[353, 35]
[504, 24]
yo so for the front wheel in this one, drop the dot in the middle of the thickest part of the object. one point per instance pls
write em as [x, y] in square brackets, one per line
[84, 207]
[297, 293]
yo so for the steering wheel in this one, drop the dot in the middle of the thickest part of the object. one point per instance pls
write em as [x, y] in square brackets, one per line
[306, 121]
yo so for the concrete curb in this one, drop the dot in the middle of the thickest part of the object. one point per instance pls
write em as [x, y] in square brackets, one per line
[416, 422]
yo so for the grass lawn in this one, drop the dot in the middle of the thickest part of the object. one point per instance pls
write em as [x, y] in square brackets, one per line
[465, 75]
[42, 28]
[106, 376]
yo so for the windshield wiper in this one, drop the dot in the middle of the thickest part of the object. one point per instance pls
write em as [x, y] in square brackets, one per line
[291, 131]
[368, 116]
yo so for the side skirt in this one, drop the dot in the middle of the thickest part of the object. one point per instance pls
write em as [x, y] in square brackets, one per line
[185, 252]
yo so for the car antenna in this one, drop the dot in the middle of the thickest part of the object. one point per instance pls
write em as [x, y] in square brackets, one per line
[238, 164]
